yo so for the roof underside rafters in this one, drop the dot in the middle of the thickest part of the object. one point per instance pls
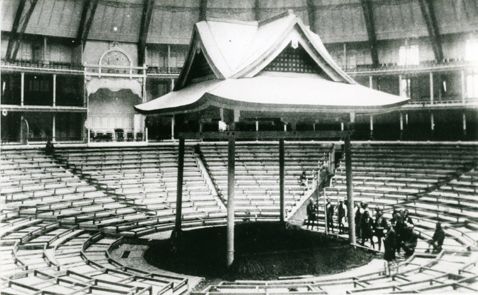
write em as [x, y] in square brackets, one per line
[144, 29]
[87, 16]
[428, 12]
[22, 17]
[370, 25]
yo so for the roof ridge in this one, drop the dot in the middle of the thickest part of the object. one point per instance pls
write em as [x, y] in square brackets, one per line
[276, 17]
[232, 21]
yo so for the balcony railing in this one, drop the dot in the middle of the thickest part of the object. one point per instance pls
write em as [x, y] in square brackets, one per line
[41, 65]
[173, 72]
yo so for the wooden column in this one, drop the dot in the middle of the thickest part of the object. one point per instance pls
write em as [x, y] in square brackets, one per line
[22, 89]
[432, 122]
[230, 199]
[281, 180]
[401, 122]
[169, 58]
[173, 122]
[464, 122]
[179, 191]
[371, 126]
[54, 90]
[53, 127]
[432, 94]
[350, 196]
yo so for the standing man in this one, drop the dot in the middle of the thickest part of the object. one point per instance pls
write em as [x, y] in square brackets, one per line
[380, 227]
[311, 214]
[341, 211]
[390, 244]
[330, 216]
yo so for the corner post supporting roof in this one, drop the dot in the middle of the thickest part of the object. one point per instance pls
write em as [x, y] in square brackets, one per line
[18, 29]
[428, 12]
[370, 24]
[143, 33]
[87, 15]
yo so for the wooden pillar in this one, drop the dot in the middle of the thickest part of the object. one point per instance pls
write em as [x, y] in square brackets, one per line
[281, 180]
[345, 56]
[401, 122]
[370, 82]
[230, 199]
[432, 94]
[53, 127]
[54, 90]
[371, 127]
[173, 122]
[179, 191]
[432, 121]
[22, 89]
[168, 62]
[464, 122]
[350, 196]
[172, 84]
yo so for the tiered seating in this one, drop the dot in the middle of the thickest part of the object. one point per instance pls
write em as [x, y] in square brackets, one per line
[55, 226]
[257, 175]
[391, 174]
[33, 185]
[145, 178]
[38, 257]
[457, 198]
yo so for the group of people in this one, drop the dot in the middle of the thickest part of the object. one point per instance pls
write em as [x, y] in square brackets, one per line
[397, 234]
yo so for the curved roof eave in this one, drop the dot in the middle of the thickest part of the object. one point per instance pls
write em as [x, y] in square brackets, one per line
[210, 100]
[272, 92]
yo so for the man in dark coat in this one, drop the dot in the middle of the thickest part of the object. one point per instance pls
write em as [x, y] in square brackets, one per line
[380, 227]
[311, 217]
[409, 241]
[341, 215]
[366, 225]
[390, 244]
[437, 240]
[358, 218]
[330, 216]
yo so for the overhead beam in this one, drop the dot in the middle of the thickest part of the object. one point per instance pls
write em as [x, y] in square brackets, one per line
[87, 16]
[144, 29]
[311, 14]
[202, 10]
[428, 12]
[266, 135]
[370, 25]
[20, 23]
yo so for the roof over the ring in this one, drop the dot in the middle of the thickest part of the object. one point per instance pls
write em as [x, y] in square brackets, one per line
[273, 65]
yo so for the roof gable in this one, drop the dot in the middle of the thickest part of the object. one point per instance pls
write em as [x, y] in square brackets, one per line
[295, 60]
[235, 49]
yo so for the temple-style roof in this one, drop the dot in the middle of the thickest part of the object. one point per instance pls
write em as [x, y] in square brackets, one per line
[272, 65]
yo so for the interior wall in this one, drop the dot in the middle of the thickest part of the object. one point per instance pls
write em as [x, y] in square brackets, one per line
[108, 110]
